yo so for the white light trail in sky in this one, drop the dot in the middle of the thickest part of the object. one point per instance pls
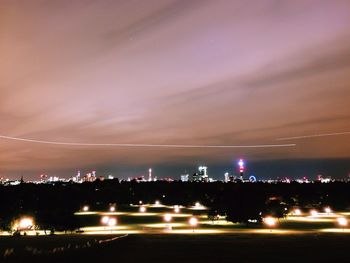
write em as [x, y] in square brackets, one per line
[313, 136]
[143, 145]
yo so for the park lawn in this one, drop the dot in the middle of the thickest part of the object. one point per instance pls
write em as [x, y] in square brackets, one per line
[187, 248]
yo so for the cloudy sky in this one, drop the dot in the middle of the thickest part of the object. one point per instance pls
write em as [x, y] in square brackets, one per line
[173, 72]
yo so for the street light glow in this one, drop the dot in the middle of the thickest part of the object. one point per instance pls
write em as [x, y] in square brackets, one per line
[342, 221]
[112, 209]
[112, 221]
[85, 208]
[193, 221]
[328, 210]
[104, 220]
[167, 217]
[25, 223]
[297, 212]
[142, 209]
[270, 221]
[313, 212]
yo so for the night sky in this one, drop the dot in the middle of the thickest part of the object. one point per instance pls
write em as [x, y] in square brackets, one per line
[175, 72]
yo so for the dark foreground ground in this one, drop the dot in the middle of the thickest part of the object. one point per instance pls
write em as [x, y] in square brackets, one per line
[178, 248]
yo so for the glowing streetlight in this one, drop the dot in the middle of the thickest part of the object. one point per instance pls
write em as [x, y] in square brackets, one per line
[328, 210]
[167, 217]
[112, 209]
[142, 209]
[112, 222]
[297, 212]
[104, 220]
[193, 222]
[85, 208]
[197, 205]
[270, 222]
[313, 212]
[176, 209]
[157, 202]
[342, 221]
[25, 223]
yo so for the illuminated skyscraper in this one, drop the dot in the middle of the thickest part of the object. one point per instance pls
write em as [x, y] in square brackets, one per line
[241, 168]
[150, 174]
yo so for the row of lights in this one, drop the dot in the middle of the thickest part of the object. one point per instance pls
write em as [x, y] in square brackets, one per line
[271, 221]
[142, 209]
[86, 208]
[313, 212]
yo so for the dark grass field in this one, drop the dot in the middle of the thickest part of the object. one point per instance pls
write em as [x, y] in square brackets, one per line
[182, 248]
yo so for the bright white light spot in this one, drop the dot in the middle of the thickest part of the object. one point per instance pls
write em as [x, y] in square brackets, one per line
[104, 220]
[297, 212]
[112, 209]
[193, 221]
[270, 221]
[85, 208]
[177, 209]
[342, 221]
[167, 217]
[328, 210]
[142, 209]
[313, 212]
[112, 221]
[157, 202]
[25, 223]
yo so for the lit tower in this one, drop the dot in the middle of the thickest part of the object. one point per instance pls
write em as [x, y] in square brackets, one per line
[150, 174]
[241, 168]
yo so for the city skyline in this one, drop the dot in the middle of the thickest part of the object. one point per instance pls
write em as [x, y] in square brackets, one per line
[113, 72]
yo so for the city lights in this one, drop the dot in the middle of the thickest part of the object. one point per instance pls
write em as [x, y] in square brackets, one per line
[142, 209]
[157, 202]
[112, 209]
[85, 208]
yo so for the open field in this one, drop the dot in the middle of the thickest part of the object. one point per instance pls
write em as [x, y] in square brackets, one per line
[182, 248]
[146, 237]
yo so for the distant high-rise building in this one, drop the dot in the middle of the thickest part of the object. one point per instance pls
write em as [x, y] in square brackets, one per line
[184, 177]
[241, 168]
[150, 174]
[227, 177]
[201, 175]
